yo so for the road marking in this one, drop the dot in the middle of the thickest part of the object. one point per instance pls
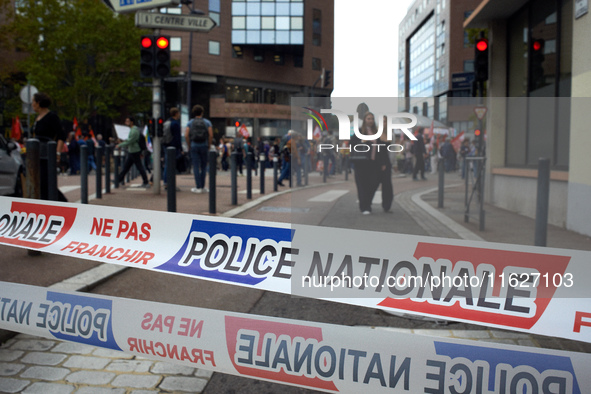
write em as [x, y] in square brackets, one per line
[329, 196]
[66, 189]
[283, 209]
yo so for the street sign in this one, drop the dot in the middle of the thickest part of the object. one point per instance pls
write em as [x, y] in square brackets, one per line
[152, 20]
[124, 6]
[480, 112]
[27, 93]
[462, 81]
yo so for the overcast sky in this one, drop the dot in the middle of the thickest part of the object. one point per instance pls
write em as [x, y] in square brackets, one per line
[366, 47]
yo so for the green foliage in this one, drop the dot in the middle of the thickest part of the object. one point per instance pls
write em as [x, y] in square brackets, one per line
[82, 54]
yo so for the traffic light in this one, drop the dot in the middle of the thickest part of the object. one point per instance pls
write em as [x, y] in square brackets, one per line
[478, 141]
[160, 127]
[147, 57]
[326, 78]
[162, 57]
[481, 60]
[151, 127]
[537, 79]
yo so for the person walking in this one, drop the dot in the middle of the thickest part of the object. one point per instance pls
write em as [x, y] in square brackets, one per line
[134, 156]
[172, 135]
[384, 168]
[368, 164]
[47, 127]
[419, 152]
[199, 134]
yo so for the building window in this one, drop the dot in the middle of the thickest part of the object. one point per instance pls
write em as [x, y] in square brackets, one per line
[237, 52]
[469, 66]
[279, 59]
[539, 76]
[214, 47]
[316, 63]
[268, 22]
[175, 44]
[214, 11]
[298, 61]
[259, 55]
[316, 27]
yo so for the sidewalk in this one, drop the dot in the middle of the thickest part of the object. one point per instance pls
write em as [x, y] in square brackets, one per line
[31, 365]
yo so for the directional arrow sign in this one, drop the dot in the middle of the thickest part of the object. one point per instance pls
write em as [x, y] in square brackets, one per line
[152, 20]
[124, 6]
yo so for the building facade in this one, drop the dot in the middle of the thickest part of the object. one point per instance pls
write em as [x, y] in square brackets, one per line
[540, 92]
[433, 49]
[247, 68]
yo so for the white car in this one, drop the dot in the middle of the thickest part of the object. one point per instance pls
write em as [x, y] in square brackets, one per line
[11, 169]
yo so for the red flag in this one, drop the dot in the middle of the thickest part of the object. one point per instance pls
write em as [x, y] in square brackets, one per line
[76, 128]
[15, 132]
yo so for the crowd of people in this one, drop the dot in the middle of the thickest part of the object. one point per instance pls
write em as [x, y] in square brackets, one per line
[293, 153]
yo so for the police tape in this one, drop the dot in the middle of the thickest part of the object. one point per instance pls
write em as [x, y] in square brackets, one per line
[320, 356]
[528, 289]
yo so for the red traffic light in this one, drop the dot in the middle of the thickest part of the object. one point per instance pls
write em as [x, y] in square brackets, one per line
[476, 133]
[162, 42]
[482, 45]
[160, 121]
[237, 124]
[537, 45]
[146, 42]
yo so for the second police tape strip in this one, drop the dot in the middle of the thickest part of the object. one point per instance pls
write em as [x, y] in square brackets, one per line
[320, 356]
[529, 289]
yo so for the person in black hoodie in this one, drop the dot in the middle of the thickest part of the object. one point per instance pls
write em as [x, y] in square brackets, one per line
[47, 127]
[419, 151]
[372, 167]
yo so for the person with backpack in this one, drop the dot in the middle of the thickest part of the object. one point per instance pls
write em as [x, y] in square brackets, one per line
[171, 136]
[199, 134]
[134, 148]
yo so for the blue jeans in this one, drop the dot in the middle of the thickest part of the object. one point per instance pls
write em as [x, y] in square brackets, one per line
[285, 171]
[199, 161]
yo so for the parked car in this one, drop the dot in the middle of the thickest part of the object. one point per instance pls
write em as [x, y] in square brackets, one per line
[12, 169]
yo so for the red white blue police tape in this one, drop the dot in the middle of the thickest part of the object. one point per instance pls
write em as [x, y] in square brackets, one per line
[325, 357]
[529, 289]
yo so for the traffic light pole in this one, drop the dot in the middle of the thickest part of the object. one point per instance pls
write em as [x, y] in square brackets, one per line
[156, 114]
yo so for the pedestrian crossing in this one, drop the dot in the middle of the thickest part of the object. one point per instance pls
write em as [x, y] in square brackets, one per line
[329, 196]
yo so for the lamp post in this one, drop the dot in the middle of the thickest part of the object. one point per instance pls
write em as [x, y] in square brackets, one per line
[193, 11]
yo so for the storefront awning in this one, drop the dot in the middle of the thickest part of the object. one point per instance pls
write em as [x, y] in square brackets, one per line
[489, 10]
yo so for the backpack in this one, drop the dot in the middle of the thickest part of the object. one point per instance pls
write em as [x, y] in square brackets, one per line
[167, 132]
[198, 131]
[142, 142]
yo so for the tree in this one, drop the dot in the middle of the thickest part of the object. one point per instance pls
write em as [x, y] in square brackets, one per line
[85, 56]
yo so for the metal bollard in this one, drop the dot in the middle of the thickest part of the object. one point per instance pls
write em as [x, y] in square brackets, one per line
[33, 185]
[275, 170]
[441, 187]
[84, 174]
[249, 163]
[212, 181]
[233, 175]
[108, 149]
[99, 171]
[117, 160]
[262, 172]
[52, 194]
[171, 178]
[542, 202]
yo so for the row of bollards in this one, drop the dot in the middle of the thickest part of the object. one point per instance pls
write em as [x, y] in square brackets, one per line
[41, 169]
